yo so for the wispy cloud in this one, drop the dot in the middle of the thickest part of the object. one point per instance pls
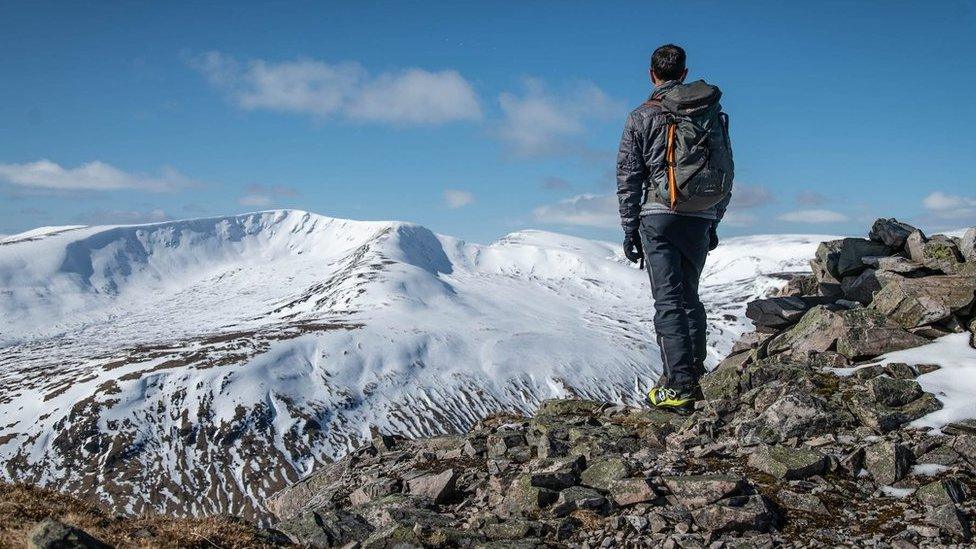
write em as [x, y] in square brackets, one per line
[813, 216]
[950, 206]
[255, 200]
[810, 198]
[321, 89]
[93, 176]
[588, 210]
[746, 196]
[539, 122]
[457, 199]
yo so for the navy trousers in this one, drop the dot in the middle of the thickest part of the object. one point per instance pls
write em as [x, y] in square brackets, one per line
[675, 248]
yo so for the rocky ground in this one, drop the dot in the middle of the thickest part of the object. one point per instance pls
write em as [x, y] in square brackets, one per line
[803, 440]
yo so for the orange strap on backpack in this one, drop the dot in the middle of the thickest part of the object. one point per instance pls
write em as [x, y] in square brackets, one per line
[672, 180]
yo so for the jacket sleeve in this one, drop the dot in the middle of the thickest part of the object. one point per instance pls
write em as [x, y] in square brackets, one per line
[631, 175]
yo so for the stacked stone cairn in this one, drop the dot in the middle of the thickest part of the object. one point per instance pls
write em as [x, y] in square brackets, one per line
[804, 440]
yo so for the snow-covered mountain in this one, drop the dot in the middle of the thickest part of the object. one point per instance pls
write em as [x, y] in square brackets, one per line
[198, 366]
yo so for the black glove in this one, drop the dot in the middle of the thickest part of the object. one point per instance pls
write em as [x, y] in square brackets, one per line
[633, 250]
[712, 238]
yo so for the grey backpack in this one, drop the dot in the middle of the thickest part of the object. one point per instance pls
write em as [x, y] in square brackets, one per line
[698, 159]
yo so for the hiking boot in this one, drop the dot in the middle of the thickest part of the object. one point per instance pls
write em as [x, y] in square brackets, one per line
[678, 400]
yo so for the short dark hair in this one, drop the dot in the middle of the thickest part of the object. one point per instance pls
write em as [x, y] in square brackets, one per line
[668, 62]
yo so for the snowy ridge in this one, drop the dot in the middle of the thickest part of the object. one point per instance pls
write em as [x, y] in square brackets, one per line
[198, 366]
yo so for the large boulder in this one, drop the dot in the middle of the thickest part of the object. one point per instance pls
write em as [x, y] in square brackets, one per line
[854, 333]
[779, 312]
[861, 287]
[895, 264]
[938, 252]
[867, 333]
[912, 302]
[852, 251]
[827, 256]
[888, 462]
[736, 514]
[891, 232]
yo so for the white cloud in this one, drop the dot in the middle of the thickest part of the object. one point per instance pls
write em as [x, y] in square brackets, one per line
[93, 176]
[588, 210]
[457, 199]
[813, 216]
[539, 123]
[309, 86]
[948, 206]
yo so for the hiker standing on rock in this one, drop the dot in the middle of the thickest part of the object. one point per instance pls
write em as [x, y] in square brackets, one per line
[674, 181]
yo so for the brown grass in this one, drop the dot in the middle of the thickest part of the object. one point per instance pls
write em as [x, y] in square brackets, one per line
[22, 506]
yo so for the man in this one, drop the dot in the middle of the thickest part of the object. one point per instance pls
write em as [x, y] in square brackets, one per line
[672, 196]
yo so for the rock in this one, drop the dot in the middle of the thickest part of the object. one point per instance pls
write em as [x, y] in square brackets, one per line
[817, 330]
[558, 473]
[967, 245]
[806, 503]
[603, 472]
[524, 499]
[827, 285]
[882, 418]
[514, 529]
[950, 521]
[939, 252]
[894, 264]
[827, 256]
[779, 312]
[861, 288]
[941, 492]
[850, 254]
[912, 302]
[629, 491]
[736, 514]
[791, 414]
[54, 534]
[694, 491]
[891, 232]
[374, 490]
[866, 333]
[798, 285]
[568, 407]
[894, 392]
[787, 463]
[504, 442]
[888, 462]
[328, 529]
[436, 487]
[577, 498]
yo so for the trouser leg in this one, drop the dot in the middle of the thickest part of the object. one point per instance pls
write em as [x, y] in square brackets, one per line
[675, 248]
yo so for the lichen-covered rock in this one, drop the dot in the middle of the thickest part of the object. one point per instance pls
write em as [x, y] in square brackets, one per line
[787, 463]
[941, 492]
[892, 391]
[603, 472]
[911, 302]
[558, 473]
[967, 245]
[326, 529]
[779, 312]
[578, 498]
[888, 462]
[866, 333]
[629, 491]
[437, 487]
[695, 491]
[938, 252]
[736, 514]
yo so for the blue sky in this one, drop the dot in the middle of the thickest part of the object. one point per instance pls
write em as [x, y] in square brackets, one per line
[476, 118]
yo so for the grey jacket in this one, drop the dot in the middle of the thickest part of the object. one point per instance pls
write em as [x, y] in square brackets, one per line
[642, 150]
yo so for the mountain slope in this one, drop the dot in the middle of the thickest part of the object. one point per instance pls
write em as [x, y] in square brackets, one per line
[199, 366]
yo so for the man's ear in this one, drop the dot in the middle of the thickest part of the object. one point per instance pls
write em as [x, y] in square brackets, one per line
[683, 76]
[654, 79]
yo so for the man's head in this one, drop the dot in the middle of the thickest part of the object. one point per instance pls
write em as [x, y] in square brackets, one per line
[668, 63]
